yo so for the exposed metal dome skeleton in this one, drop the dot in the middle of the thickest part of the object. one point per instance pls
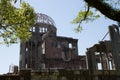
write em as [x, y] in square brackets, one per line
[45, 19]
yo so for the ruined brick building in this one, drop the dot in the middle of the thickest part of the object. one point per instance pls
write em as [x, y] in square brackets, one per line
[47, 56]
[47, 50]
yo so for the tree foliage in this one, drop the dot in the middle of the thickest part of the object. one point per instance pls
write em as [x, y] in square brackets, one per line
[109, 8]
[15, 22]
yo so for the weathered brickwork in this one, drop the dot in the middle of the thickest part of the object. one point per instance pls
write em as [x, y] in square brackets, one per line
[47, 50]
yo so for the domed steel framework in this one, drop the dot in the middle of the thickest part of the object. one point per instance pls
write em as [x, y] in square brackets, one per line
[45, 19]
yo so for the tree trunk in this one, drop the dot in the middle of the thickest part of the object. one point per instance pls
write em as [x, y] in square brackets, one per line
[105, 9]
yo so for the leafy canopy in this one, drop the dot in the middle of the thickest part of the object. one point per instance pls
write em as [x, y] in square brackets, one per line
[15, 22]
[109, 8]
[84, 16]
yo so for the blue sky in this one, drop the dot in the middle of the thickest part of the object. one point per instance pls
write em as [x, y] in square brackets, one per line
[62, 12]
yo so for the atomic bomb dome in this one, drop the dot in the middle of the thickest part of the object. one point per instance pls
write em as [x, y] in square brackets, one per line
[44, 24]
[46, 50]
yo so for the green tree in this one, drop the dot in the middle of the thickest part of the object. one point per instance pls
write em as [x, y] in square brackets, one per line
[15, 21]
[109, 8]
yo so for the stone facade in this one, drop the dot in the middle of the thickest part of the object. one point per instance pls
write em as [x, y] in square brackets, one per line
[47, 50]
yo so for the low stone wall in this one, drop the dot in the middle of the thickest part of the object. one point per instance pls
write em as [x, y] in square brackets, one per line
[63, 74]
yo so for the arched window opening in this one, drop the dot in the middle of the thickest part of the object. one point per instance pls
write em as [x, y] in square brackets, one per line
[33, 29]
[43, 30]
[40, 29]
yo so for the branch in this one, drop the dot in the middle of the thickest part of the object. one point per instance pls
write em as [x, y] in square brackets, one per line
[88, 8]
[105, 9]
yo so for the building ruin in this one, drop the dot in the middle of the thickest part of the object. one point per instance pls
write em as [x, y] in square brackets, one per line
[47, 50]
[47, 56]
[106, 53]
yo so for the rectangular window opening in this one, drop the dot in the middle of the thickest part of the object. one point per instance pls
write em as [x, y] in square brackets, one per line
[70, 45]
